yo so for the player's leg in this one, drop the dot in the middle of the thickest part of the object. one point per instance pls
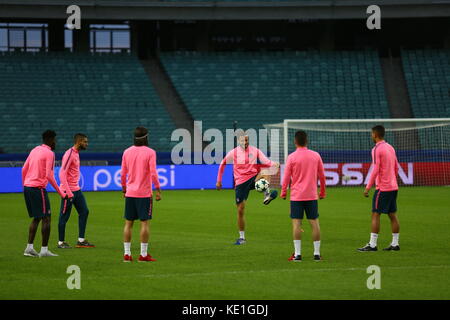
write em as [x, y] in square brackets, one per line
[241, 222]
[29, 251]
[64, 215]
[145, 208]
[144, 236]
[315, 226]
[297, 238]
[395, 224]
[130, 215]
[33, 203]
[269, 194]
[374, 230]
[377, 207]
[83, 213]
[127, 232]
[312, 213]
[33, 229]
[46, 223]
[241, 195]
[296, 215]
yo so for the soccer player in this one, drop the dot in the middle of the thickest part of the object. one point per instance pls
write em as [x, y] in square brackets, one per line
[303, 169]
[138, 173]
[69, 175]
[384, 174]
[246, 172]
[37, 172]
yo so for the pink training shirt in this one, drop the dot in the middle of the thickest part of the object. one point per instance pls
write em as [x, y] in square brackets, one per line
[69, 174]
[385, 167]
[245, 163]
[303, 169]
[38, 169]
[139, 165]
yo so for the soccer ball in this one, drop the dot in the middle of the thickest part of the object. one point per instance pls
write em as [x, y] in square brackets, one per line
[261, 185]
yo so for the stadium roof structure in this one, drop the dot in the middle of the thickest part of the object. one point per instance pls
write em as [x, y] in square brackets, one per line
[222, 10]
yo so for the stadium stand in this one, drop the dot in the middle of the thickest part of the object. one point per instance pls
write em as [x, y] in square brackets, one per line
[260, 88]
[104, 95]
[427, 74]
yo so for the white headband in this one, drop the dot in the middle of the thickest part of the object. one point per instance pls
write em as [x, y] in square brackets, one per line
[141, 137]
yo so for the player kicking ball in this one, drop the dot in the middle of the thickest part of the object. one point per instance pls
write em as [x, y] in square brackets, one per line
[384, 174]
[37, 172]
[247, 172]
[303, 169]
[69, 175]
[138, 173]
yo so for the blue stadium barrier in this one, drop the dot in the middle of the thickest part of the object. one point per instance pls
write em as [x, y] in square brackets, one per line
[107, 178]
[164, 158]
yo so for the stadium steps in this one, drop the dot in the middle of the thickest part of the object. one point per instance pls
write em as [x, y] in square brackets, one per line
[396, 88]
[397, 96]
[168, 95]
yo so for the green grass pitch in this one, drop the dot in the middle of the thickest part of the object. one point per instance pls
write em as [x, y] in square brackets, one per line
[192, 234]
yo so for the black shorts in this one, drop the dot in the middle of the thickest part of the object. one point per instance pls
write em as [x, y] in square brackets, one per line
[298, 208]
[138, 208]
[242, 190]
[38, 204]
[384, 201]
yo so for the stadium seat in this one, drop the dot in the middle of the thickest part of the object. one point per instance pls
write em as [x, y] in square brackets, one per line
[103, 95]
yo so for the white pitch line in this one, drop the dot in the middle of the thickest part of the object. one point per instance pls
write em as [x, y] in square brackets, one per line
[283, 270]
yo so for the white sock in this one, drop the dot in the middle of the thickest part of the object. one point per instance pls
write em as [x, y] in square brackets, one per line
[80, 239]
[316, 248]
[298, 247]
[30, 246]
[373, 240]
[395, 239]
[144, 247]
[60, 242]
[127, 247]
[44, 249]
[241, 234]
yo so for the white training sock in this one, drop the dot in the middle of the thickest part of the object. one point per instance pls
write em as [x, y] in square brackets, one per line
[80, 239]
[44, 249]
[316, 248]
[373, 239]
[298, 247]
[30, 246]
[241, 234]
[127, 247]
[144, 247]
[395, 239]
[60, 242]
